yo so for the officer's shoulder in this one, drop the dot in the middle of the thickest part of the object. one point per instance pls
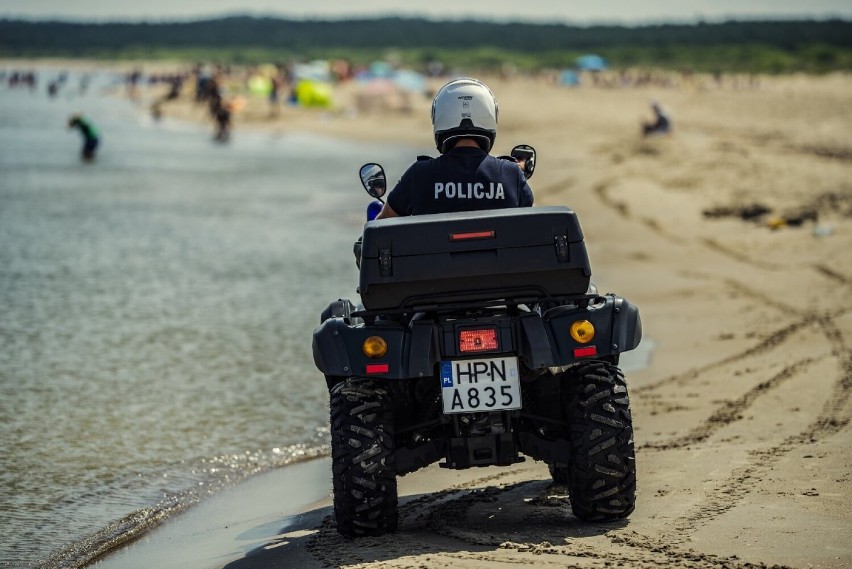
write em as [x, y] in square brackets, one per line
[502, 161]
[505, 158]
[419, 164]
[422, 162]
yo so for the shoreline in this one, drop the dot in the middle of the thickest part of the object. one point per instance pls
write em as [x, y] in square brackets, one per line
[231, 523]
[742, 417]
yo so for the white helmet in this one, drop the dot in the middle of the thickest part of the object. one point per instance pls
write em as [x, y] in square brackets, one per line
[464, 108]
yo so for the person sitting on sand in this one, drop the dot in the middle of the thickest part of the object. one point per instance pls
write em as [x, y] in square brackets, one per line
[91, 139]
[661, 124]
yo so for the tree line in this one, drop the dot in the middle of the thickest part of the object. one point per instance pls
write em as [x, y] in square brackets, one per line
[824, 45]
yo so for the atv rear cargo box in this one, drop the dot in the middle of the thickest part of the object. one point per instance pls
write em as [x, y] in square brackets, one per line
[505, 254]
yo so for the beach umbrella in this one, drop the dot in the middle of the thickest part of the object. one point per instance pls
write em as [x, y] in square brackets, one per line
[591, 62]
[259, 85]
[317, 70]
[381, 69]
[569, 78]
[311, 93]
[408, 80]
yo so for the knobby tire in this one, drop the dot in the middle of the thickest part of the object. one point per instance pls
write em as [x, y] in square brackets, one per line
[364, 475]
[601, 476]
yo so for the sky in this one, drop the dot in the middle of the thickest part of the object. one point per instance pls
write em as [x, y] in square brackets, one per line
[627, 12]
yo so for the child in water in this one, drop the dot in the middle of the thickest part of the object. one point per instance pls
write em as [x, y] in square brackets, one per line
[90, 135]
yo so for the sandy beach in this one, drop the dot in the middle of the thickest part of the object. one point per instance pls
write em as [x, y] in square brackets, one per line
[742, 415]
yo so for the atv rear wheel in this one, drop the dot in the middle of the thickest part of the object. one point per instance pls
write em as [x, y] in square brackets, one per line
[362, 450]
[601, 476]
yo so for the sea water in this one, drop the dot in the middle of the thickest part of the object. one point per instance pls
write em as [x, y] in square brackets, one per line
[156, 310]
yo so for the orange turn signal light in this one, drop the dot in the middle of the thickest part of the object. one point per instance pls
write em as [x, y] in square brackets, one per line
[582, 331]
[374, 347]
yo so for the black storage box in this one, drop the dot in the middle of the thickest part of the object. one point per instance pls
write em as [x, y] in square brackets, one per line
[504, 254]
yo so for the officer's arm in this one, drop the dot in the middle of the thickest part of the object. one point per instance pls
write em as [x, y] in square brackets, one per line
[400, 195]
[387, 211]
[526, 197]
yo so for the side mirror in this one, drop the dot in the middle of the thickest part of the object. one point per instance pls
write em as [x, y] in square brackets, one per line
[373, 179]
[525, 154]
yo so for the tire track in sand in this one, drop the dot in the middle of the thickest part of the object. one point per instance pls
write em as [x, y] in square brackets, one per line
[825, 323]
[714, 245]
[769, 343]
[833, 275]
[601, 190]
[833, 417]
[730, 411]
[546, 527]
[805, 319]
[471, 522]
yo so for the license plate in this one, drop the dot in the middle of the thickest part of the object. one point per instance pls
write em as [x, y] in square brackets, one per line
[480, 385]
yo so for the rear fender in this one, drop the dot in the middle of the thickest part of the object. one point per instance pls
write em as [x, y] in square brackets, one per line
[412, 350]
[618, 328]
[627, 328]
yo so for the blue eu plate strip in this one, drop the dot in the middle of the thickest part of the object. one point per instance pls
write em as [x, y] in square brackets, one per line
[446, 374]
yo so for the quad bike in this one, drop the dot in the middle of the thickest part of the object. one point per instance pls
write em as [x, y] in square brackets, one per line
[478, 340]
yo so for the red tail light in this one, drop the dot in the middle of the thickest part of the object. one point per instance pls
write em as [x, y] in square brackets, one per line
[472, 235]
[377, 368]
[477, 340]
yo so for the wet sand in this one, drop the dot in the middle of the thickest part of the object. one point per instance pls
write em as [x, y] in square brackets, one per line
[742, 417]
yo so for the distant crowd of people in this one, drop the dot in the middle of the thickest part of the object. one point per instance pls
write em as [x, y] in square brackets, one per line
[18, 79]
[221, 88]
[214, 86]
[640, 79]
[211, 82]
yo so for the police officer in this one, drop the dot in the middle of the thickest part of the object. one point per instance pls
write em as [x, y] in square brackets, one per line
[465, 177]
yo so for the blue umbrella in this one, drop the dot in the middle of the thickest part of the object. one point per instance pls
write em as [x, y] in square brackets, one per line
[409, 81]
[591, 62]
[569, 78]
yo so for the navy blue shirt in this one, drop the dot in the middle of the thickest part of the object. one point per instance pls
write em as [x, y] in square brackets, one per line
[463, 179]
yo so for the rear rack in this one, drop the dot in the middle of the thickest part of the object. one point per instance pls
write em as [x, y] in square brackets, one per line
[581, 300]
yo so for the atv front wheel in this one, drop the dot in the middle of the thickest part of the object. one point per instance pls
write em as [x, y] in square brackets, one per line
[602, 474]
[362, 451]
